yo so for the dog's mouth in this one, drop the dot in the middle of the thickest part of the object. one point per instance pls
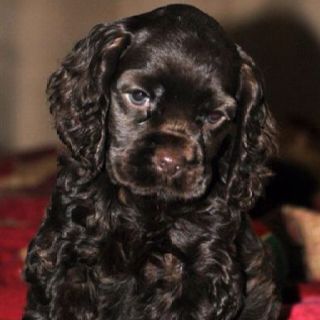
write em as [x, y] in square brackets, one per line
[170, 167]
[189, 183]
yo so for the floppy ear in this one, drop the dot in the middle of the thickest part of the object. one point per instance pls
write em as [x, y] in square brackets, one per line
[256, 137]
[78, 93]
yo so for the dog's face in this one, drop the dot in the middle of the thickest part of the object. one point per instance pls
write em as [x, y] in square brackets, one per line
[172, 108]
[165, 104]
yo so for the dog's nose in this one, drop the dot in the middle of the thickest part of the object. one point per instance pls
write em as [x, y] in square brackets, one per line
[167, 161]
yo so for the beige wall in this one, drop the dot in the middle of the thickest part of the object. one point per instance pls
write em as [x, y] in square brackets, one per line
[36, 34]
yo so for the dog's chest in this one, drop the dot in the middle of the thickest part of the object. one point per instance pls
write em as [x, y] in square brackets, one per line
[165, 268]
[172, 274]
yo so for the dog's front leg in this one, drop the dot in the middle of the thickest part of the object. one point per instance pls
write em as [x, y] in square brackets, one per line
[262, 299]
[72, 289]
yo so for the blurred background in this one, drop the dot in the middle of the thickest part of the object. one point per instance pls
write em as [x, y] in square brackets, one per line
[283, 36]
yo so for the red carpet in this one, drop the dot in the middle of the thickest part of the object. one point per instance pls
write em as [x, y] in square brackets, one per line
[19, 219]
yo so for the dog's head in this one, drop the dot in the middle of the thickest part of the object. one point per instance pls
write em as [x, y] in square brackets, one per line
[165, 102]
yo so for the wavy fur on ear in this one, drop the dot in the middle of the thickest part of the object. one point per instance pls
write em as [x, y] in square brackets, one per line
[79, 101]
[256, 138]
[78, 94]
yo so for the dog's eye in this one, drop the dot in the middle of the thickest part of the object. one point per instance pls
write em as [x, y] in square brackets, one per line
[138, 98]
[215, 117]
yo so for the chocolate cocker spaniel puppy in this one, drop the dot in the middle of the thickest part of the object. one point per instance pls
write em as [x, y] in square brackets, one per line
[167, 133]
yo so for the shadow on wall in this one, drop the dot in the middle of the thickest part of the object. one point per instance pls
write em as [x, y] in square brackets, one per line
[289, 55]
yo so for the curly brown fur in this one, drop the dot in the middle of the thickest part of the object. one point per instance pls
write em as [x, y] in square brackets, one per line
[168, 133]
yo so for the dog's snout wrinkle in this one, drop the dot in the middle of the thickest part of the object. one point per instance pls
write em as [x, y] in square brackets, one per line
[178, 127]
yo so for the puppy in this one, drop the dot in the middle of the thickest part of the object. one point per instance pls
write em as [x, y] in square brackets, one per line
[167, 134]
